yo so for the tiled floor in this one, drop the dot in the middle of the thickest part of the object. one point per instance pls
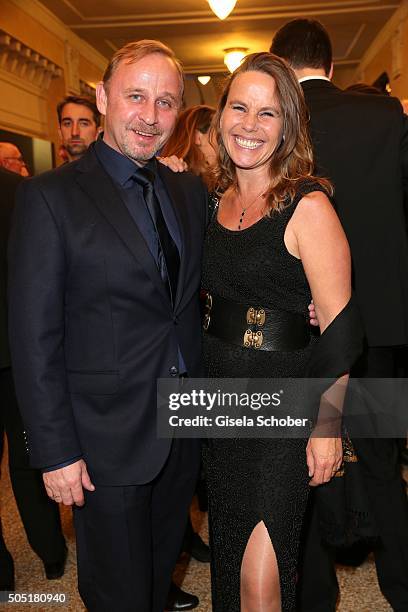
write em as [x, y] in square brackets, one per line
[359, 587]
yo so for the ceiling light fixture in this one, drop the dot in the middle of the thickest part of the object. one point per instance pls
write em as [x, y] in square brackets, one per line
[233, 57]
[204, 79]
[222, 8]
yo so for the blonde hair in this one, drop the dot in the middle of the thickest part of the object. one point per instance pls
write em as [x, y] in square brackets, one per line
[292, 161]
[137, 50]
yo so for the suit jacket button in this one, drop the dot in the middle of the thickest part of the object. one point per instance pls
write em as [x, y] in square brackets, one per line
[173, 371]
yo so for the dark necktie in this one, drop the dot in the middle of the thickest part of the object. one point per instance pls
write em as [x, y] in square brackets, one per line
[168, 255]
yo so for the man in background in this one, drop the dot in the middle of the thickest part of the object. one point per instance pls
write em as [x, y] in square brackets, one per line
[79, 125]
[12, 159]
[361, 144]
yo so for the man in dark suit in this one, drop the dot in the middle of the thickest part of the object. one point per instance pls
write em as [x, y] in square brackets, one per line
[79, 123]
[39, 515]
[361, 144]
[105, 258]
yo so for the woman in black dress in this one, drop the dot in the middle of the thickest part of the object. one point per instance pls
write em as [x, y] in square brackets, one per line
[274, 242]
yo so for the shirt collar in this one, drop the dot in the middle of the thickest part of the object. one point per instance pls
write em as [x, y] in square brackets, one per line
[314, 77]
[118, 166]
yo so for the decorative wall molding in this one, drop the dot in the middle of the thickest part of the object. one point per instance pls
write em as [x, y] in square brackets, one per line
[346, 62]
[108, 27]
[194, 69]
[204, 68]
[355, 39]
[207, 16]
[86, 89]
[71, 69]
[21, 61]
[47, 19]
[385, 35]
[18, 95]
[195, 17]
[397, 46]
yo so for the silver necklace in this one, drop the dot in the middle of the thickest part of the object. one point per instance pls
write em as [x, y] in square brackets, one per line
[245, 208]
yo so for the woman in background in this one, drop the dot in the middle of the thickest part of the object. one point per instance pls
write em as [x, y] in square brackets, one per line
[191, 141]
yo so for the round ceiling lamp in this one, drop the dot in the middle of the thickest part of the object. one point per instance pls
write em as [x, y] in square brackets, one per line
[233, 57]
[204, 79]
[222, 8]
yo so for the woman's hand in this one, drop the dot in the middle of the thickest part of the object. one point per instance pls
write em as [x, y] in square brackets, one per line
[324, 457]
[313, 320]
[174, 163]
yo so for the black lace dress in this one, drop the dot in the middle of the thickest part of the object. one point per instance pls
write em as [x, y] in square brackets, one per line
[252, 480]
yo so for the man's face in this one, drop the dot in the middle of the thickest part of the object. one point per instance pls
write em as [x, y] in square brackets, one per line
[141, 102]
[12, 159]
[77, 129]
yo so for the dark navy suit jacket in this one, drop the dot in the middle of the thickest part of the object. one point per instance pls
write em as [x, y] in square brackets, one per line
[91, 325]
[360, 143]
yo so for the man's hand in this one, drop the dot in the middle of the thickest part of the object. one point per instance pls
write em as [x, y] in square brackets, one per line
[324, 457]
[313, 320]
[177, 164]
[65, 484]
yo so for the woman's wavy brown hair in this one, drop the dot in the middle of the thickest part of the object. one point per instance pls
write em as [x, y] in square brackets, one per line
[292, 161]
[182, 141]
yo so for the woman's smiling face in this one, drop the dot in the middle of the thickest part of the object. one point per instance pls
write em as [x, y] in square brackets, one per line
[251, 123]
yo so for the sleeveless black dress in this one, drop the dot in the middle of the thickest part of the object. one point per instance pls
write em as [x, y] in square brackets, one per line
[252, 480]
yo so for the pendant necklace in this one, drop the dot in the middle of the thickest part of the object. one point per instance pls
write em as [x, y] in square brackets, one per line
[245, 208]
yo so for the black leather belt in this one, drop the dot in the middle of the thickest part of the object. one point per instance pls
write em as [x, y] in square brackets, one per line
[264, 329]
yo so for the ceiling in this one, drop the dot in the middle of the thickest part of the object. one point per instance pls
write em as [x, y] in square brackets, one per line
[198, 37]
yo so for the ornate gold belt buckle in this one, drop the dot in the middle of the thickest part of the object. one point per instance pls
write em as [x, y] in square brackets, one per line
[255, 316]
[253, 339]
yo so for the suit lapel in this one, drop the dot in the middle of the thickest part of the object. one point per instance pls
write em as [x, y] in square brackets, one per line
[178, 199]
[97, 184]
